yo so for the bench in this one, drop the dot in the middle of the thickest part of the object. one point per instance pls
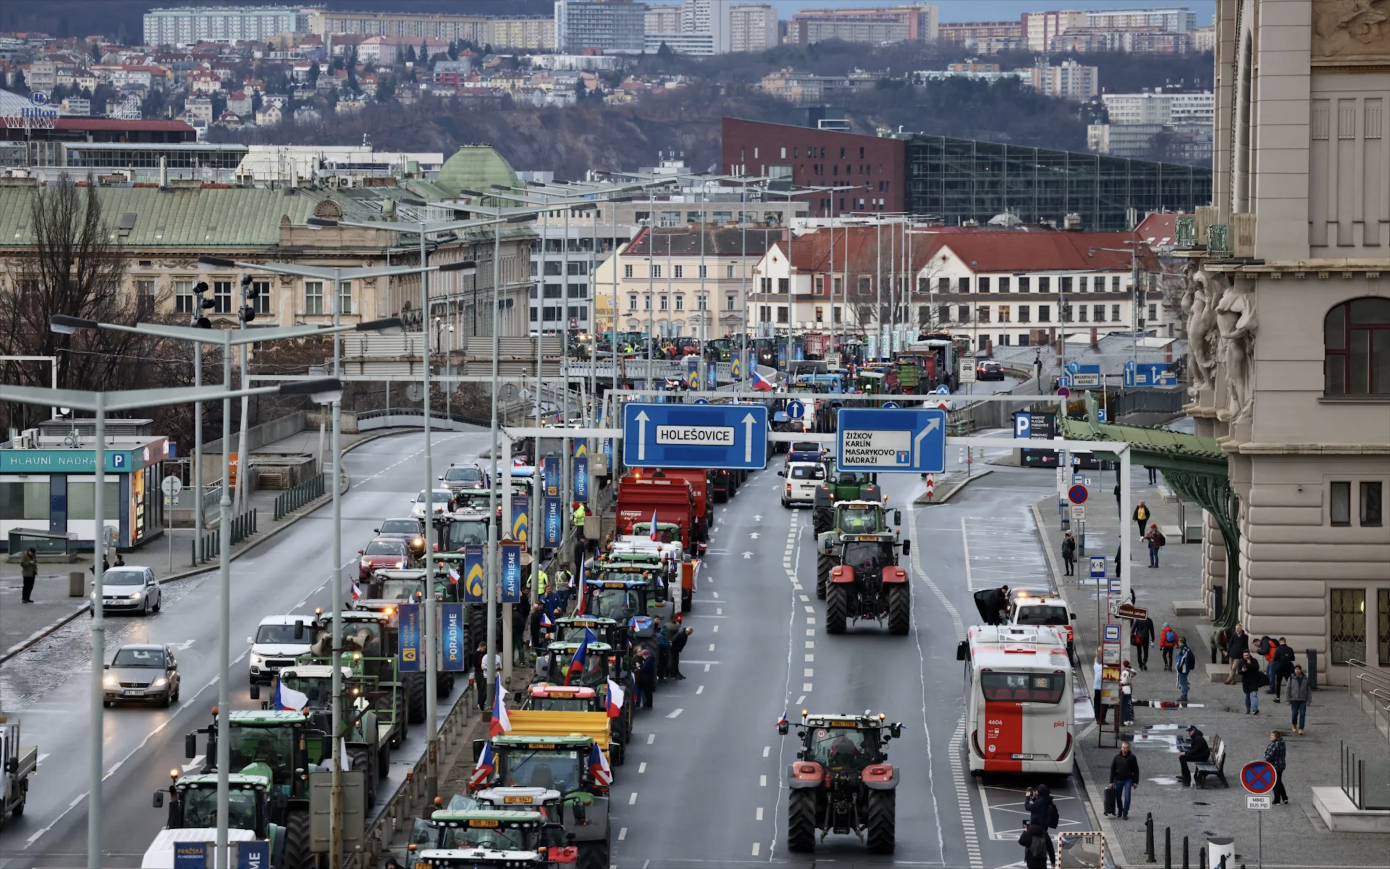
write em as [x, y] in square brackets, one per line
[1216, 767]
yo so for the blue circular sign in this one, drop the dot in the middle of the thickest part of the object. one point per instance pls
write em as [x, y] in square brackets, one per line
[1258, 777]
[1077, 494]
[702, 401]
[943, 389]
[795, 409]
[891, 405]
[1064, 392]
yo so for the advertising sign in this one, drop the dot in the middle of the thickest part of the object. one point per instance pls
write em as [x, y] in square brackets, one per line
[411, 653]
[711, 374]
[551, 465]
[553, 521]
[521, 519]
[253, 855]
[1038, 427]
[191, 855]
[474, 578]
[509, 556]
[452, 636]
[581, 471]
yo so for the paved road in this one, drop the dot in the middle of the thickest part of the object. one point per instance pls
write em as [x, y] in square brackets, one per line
[710, 791]
[48, 686]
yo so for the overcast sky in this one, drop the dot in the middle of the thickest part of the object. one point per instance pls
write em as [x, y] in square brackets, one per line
[1002, 10]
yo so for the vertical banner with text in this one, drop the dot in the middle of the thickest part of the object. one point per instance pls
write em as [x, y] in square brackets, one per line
[509, 556]
[551, 503]
[521, 518]
[581, 471]
[474, 577]
[409, 620]
[452, 638]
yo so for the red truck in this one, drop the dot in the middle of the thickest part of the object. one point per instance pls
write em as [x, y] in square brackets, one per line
[700, 486]
[672, 499]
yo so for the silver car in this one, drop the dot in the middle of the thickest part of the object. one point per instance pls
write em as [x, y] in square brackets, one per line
[142, 673]
[129, 589]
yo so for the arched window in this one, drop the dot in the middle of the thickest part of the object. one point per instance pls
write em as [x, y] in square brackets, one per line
[1356, 339]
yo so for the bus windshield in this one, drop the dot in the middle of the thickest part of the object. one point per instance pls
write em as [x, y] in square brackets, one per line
[1023, 687]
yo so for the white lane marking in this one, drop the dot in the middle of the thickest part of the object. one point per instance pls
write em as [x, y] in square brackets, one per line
[193, 764]
[762, 781]
[806, 687]
[675, 713]
[119, 764]
[651, 737]
[809, 659]
[810, 609]
[810, 621]
[41, 758]
[801, 699]
[700, 690]
[755, 849]
[767, 749]
[716, 629]
[810, 632]
[632, 800]
[808, 672]
[711, 647]
[719, 611]
[622, 834]
[641, 767]
[760, 813]
[707, 668]
[803, 597]
[950, 608]
[810, 644]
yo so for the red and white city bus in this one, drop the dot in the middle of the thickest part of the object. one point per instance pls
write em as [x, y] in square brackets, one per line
[1020, 699]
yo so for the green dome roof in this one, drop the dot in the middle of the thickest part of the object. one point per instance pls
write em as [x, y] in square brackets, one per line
[477, 167]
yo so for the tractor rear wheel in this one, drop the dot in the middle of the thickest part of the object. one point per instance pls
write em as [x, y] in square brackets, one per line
[360, 758]
[594, 855]
[823, 564]
[801, 820]
[416, 706]
[298, 853]
[836, 608]
[899, 608]
[881, 821]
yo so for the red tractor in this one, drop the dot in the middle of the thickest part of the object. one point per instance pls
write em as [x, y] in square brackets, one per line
[841, 781]
[867, 583]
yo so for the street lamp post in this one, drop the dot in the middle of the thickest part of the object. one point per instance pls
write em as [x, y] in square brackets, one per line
[102, 403]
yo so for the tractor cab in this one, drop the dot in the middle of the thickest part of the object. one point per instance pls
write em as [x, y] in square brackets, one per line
[193, 800]
[570, 629]
[511, 829]
[388, 589]
[275, 742]
[547, 697]
[862, 517]
[553, 662]
[467, 525]
[559, 763]
[619, 599]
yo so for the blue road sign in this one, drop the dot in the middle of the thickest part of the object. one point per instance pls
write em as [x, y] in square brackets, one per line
[892, 440]
[408, 619]
[891, 405]
[1112, 634]
[1064, 381]
[191, 855]
[795, 409]
[1077, 494]
[1085, 376]
[943, 389]
[253, 855]
[1150, 374]
[733, 437]
[1100, 414]
[701, 401]
[1258, 777]
[1073, 367]
[1098, 566]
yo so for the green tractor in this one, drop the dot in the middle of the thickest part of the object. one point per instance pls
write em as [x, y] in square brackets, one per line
[280, 745]
[601, 663]
[371, 648]
[513, 830]
[847, 517]
[627, 601]
[527, 766]
[570, 629]
[193, 806]
[385, 592]
[841, 486]
[549, 697]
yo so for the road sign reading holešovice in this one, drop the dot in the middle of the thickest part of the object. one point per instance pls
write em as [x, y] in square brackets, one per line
[729, 436]
[902, 439]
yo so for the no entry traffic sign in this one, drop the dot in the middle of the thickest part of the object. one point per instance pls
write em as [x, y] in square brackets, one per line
[1258, 777]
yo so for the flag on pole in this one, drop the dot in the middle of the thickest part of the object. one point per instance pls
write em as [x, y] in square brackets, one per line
[760, 382]
[356, 591]
[500, 722]
[654, 532]
[485, 767]
[616, 696]
[289, 699]
[581, 654]
[545, 620]
[782, 720]
[598, 766]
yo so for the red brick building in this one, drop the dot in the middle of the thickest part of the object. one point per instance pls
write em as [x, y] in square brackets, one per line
[872, 166]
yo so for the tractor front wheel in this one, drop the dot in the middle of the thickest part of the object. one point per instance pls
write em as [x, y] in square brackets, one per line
[298, 845]
[823, 564]
[416, 707]
[836, 608]
[594, 855]
[801, 820]
[881, 821]
[899, 608]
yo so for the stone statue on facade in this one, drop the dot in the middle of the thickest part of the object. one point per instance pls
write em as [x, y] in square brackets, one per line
[1235, 322]
[1198, 304]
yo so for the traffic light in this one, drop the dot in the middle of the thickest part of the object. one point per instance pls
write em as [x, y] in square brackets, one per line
[249, 294]
[200, 305]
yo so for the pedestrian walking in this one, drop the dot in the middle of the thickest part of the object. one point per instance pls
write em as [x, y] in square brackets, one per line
[1141, 517]
[479, 677]
[1236, 647]
[646, 679]
[29, 570]
[1198, 751]
[1153, 475]
[1039, 805]
[1300, 694]
[1156, 541]
[663, 655]
[1275, 755]
[535, 628]
[1127, 675]
[1117, 501]
[519, 635]
[1252, 679]
[1038, 850]
[1096, 673]
[1283, 666]
[1069, 553]
[1141, 636]
[1124, 778]
[1167, 642]
[677, 646]
[1184, 662]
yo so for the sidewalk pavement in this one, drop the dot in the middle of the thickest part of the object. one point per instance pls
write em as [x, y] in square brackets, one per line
[1293, 835]
[23, 625]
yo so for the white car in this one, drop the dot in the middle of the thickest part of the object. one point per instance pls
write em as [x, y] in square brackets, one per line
[443, 503]
[802, 480]
[278, 640]
[129, 588]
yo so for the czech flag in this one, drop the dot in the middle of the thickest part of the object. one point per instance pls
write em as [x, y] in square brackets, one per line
[581, 654]
[616, 696]
[598, 765]
[760, 382]
[545, 620]
[654, 535]
[782, 720]
[356, 592]
[484, 769]
[289, 699]
[500, 722]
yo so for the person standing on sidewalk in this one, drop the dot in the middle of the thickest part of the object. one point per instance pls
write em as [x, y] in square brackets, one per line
[1184, 662]
[1141, 517]
[1300, 693]
[1155, 539]
[1283, 666]
[1142, 637]
[1236, 647]
[1127, 675]
[1153, 475]
[1069, 554]
[677, 646]
[1275, 756]
[1167, 641]
[1096, 672]
[1124, 777]
[1252, 678]
[29, 570]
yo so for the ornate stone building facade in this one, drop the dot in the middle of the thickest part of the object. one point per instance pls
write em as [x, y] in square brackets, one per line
[1288, 311]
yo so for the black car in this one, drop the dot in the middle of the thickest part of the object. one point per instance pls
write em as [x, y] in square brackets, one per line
[989, 371]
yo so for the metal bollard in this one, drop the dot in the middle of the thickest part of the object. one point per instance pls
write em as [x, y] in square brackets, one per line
[1167, 848]
[1149, 838]
[1202, 857]
[1185, 863]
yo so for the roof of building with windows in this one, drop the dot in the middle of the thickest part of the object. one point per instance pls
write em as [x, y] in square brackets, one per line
[719, 241]
[1009, 251]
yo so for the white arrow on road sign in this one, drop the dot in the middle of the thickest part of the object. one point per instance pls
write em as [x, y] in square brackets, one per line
[932, 426]
[642, 435]
[748, 422]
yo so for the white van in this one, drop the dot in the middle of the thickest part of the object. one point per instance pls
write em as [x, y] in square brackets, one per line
[803, 478]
